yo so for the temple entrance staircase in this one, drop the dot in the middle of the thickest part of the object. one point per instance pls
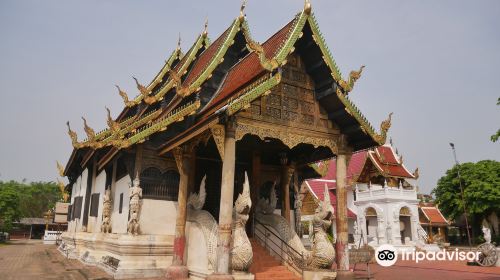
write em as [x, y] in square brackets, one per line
[265, 266]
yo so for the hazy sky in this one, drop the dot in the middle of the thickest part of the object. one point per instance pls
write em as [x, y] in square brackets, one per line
[435, 64]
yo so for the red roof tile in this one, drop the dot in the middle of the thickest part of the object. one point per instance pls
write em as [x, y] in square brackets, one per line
[249, 68]
[386, 155]
[318, 188]
[392, 170]
[205, 58]
[355, 167]
[433, 215]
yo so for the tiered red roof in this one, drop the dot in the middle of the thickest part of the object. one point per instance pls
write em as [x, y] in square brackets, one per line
[204, 59]
[383, 157]
[249, 68]
[433, 215]
[385, 160]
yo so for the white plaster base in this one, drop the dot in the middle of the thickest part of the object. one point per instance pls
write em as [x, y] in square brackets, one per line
[319, 275]
[238, 275]
[139, 256]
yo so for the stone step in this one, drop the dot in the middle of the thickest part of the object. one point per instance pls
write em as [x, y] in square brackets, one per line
[265, 266]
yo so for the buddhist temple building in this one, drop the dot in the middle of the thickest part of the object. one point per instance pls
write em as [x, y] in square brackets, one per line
[211, 152]
[381, 198]
[433, 221]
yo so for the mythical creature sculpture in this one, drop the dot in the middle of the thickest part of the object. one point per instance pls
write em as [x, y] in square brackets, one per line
[123, 94]
[241, 253]
[114, 126]
[353, 77]
[323, 253]
[357, 235]
[486, 232]
[106, 212]
[176, 78]
[242, 249]
[135, 206]
[62, 187]
[88, 130]
[74, 136]
[266, 63]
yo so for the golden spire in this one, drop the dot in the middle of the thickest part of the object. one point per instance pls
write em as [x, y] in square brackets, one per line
[242, 10]
[73, 135]
[307, 7]
[415, 173]
[88, 130]
[114, 126]
[205, 31]
[179, 42]
[60, 168]
[144, 91]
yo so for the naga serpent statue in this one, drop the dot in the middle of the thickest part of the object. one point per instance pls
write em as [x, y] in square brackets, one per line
[241, 251]
[322, 254]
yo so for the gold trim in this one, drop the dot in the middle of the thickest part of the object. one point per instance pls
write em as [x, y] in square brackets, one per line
[60, 169]
[288, 138]
[219, 133]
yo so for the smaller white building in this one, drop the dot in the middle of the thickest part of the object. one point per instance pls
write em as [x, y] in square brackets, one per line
[381, 199]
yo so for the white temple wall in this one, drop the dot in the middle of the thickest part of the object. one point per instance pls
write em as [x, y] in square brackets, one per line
[94, 224]
[81, 192]
[158, 216]
[119, 220]
[350, 202]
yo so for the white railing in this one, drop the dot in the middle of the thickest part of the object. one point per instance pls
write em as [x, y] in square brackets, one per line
[369, 192]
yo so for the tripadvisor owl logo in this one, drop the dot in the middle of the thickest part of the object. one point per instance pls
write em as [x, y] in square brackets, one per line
[386, 255]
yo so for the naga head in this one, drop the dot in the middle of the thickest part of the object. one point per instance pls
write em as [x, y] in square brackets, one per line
[267, 206]
[243, 204]
[324, 212]
[197, 200]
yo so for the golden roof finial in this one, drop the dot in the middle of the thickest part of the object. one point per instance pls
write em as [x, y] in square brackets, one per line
[179, 42]
[88, 130]
[142, 89]
[205, 31]
[307, 7]
[114, 126]
[73, 135]
[385, 125]
[124, 96]
[242, 10]
[64, 194]
[60, 168]
[415, 173]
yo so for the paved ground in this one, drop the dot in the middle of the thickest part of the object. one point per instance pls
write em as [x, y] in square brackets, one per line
[33, 260]
[429, 270]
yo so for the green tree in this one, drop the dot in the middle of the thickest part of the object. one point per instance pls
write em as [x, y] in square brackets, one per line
[37, 197]
[481, 184]
[495, 137]
[9, 205]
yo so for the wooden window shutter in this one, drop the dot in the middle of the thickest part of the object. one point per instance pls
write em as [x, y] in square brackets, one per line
[94, 205]
[121, 203]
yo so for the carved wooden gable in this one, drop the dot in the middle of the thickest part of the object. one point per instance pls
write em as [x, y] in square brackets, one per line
[292, 103]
